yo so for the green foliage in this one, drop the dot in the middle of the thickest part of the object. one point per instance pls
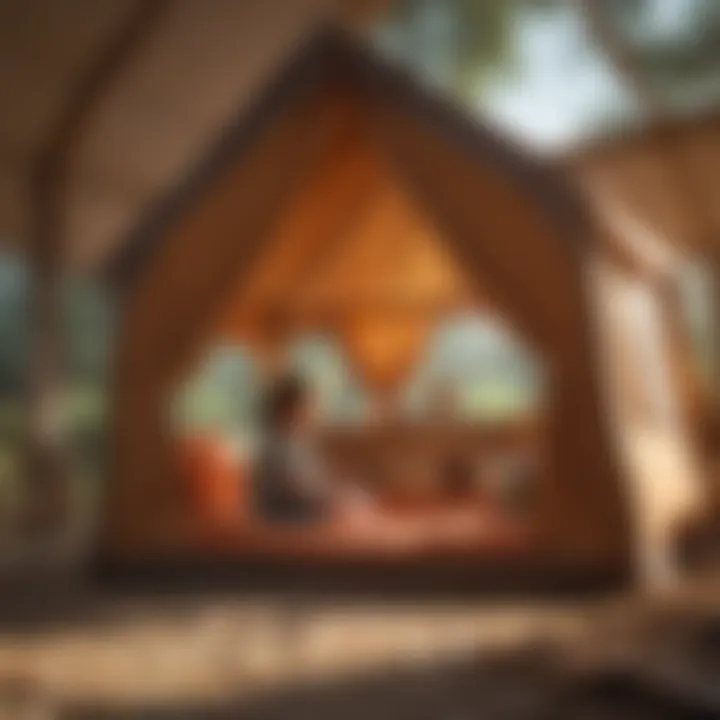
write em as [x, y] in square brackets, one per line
[87, 329]
[13, 327]
[492, 376]
[489, 374]
[457, 42]
[461, 43]
[221, 397]
[87, 316]
[321, 360]
[675, 47]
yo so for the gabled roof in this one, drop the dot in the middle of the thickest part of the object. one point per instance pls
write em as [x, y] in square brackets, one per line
[336, 133]
[294, 168]
[332, 56]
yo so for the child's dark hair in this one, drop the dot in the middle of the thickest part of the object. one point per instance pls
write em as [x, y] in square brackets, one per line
[282, 398]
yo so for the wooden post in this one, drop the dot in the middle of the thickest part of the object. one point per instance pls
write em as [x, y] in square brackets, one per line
[684, 366]
[47, 470]
[685, 186]
[715, 318]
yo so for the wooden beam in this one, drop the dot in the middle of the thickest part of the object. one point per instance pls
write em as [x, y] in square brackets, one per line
[359, 15]
[333, 318]
[47, 472]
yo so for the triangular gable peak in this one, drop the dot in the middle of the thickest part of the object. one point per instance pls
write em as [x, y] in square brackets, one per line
[385, 256]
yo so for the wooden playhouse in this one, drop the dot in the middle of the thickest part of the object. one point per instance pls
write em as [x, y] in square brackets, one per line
[354, 200]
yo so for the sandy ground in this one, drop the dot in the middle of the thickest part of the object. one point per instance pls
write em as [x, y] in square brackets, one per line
[638, 657]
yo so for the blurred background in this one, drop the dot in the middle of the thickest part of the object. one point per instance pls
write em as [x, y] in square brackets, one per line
[107, 107]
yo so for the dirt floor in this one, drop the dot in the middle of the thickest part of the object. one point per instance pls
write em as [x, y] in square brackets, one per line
[99, 656]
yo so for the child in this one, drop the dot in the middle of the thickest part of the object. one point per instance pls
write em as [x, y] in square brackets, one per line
[290, 481]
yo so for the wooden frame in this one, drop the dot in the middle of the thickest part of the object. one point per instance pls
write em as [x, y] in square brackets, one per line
[513, 222]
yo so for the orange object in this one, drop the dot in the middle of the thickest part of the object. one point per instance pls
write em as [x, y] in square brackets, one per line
[215, 480]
